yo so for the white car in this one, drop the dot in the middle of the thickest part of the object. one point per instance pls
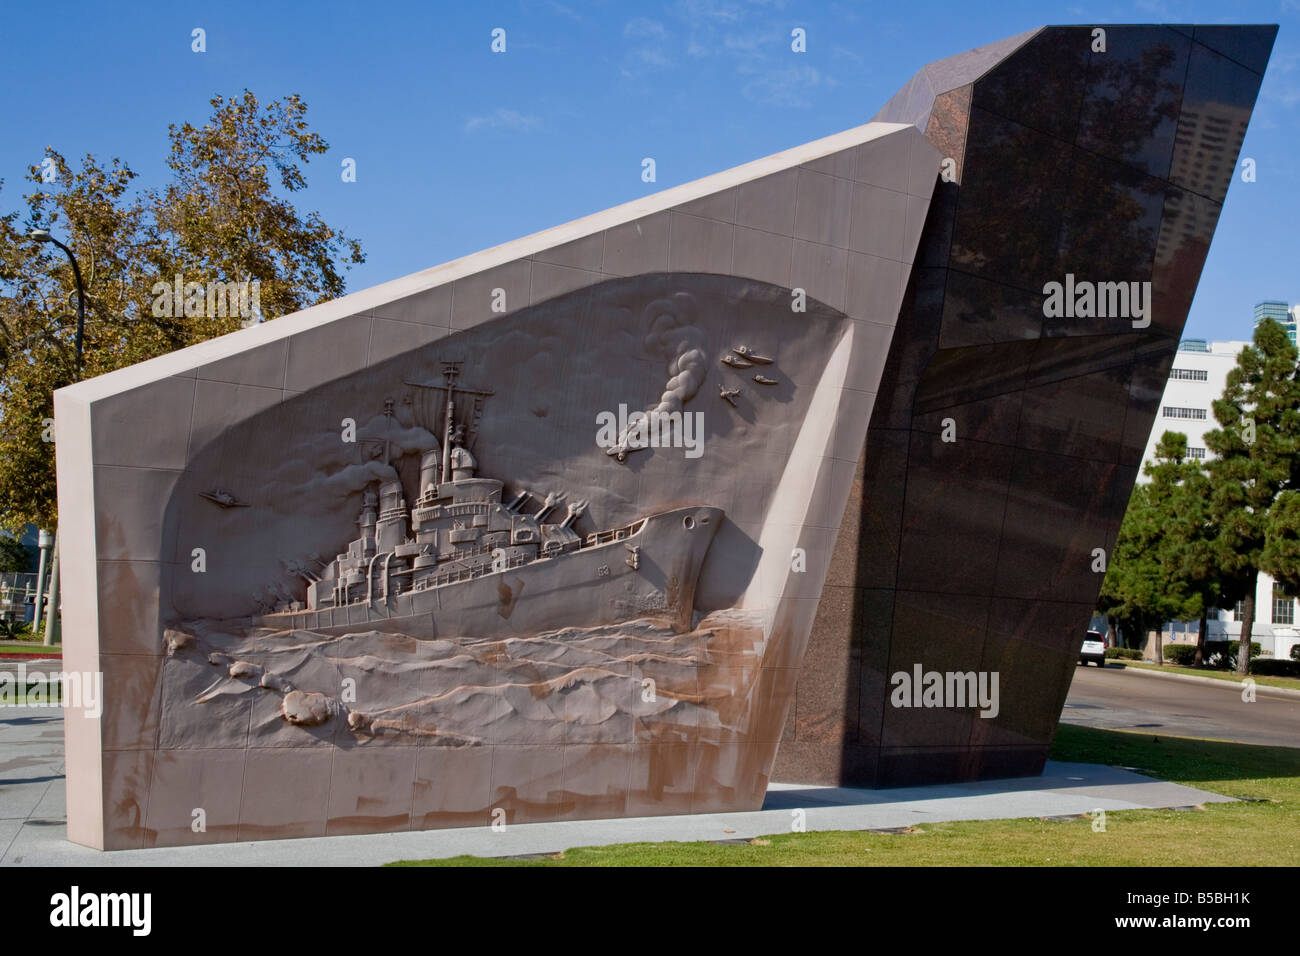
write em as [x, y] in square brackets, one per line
[1094, 649]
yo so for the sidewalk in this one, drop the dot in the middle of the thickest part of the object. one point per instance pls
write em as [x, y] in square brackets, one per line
[32, 814]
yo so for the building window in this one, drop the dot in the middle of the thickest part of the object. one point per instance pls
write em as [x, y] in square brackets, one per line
[1283, 606]
[1238, 611]
[1195, 452]
[1172, 411]
[1190, 374]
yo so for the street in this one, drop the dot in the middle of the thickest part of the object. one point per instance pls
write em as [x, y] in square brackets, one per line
[1115, 698]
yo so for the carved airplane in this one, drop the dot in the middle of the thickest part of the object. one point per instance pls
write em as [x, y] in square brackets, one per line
[745, 352]
[223, 498]
[728, 395]
[623, 449]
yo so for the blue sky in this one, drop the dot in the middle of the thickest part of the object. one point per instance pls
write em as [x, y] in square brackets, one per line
[458, 149]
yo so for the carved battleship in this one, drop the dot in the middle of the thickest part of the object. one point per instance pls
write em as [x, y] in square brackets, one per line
[464, 563]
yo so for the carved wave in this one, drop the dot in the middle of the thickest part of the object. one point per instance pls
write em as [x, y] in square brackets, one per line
[621, 683]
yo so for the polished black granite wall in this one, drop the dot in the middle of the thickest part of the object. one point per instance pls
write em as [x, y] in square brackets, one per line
[977, 554]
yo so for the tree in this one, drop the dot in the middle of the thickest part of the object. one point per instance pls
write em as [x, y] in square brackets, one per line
[218, 219]
[1133, 592]
[1281, 554]
[1119, 585]
[1183, 537]
[1163, 563]
[14, 555]
[1256, 462]
[1187, 547]
[220, 214]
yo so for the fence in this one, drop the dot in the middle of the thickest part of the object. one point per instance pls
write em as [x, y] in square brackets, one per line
[17, 597]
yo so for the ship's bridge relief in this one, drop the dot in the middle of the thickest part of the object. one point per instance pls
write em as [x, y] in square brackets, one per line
[466, 477]
[460, 530]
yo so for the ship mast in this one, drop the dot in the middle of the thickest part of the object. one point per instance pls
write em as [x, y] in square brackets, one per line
[388, 422]
[449, 371]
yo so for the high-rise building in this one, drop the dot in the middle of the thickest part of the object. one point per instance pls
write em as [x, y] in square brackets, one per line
[1198, 377]
[1284, 315]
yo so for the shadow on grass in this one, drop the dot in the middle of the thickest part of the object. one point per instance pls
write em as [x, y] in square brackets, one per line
[1209, 764]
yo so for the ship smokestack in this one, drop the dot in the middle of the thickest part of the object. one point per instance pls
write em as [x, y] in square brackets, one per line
[390, 530]
[367, 522]
[429, 472]
[390, 497]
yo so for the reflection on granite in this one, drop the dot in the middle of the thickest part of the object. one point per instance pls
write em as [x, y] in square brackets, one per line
[1010, 440]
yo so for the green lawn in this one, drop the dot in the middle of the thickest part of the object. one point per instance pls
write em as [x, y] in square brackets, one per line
[35, 648]
[1263, 832]
[1291, 683]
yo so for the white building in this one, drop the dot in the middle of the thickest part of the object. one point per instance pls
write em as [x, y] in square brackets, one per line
[1197, 378]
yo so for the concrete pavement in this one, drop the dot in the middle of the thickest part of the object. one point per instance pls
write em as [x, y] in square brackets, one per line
[32, 815]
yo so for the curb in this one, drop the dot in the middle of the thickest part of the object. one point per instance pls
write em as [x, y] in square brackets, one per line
[1196, 679]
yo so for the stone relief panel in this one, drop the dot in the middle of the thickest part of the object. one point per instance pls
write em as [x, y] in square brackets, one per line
[575, 536]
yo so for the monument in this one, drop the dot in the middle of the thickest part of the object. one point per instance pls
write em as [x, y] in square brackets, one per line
[632, 515]
[1071, 170]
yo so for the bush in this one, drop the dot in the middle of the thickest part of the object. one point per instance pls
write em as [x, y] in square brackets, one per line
[1124, 653]
[1272, 668]
[1223, 654]
[15, 632]
[1295, 652]
[1183, 654]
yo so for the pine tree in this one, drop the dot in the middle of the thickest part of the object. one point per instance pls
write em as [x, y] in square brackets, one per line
[1281, 554]
[1187, 546]
[1164, 562]
[1256, 461]
[1136, 590]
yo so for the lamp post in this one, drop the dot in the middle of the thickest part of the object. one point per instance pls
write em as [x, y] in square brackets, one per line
[52, 613]
[43, 235]
[45, 541]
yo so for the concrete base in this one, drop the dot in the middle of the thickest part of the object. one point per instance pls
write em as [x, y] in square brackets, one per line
[33, 824]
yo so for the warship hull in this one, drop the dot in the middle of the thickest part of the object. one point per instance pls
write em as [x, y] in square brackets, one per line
[650, 572]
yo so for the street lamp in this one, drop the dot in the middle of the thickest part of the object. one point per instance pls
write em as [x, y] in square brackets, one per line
[52, 613]
[43, 235]
[45, 541]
